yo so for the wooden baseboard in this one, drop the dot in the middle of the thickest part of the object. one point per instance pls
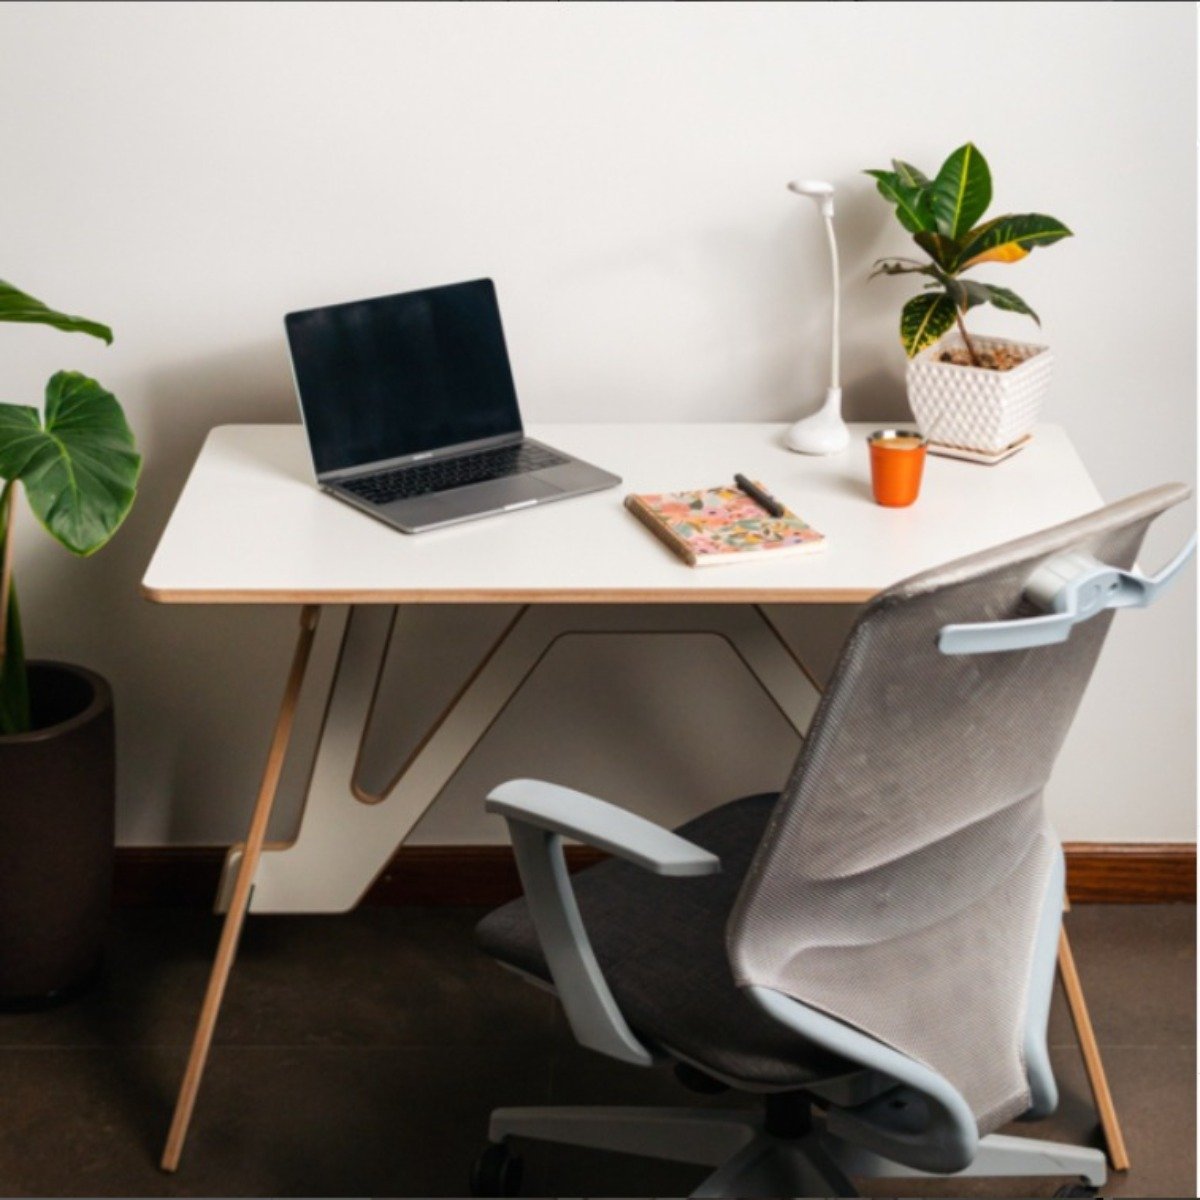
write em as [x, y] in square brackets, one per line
[466, 875]
[1131, 872]
[167, 876]
[186, 876]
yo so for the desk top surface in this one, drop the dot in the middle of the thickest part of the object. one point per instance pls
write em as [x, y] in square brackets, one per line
[252, 527]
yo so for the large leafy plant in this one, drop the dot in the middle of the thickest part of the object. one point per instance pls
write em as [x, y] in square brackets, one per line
[79, 467]
[943, 214]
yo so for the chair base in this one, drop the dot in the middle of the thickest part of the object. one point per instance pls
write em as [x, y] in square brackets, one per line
[750, 1160]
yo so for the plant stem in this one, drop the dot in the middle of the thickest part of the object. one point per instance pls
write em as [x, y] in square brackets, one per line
[15, 712]
[8, 506]
[966, 339]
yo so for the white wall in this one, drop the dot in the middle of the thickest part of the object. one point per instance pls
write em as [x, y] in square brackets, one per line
[190, 172]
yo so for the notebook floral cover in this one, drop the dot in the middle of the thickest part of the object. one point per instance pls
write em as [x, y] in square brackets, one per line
[721, 525]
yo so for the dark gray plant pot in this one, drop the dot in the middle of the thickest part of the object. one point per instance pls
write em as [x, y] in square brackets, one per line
[57, 798]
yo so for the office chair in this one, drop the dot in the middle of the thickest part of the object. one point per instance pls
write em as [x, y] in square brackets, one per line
[870, 952]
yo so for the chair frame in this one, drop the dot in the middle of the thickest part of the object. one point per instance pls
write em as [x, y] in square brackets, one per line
[752, 1156]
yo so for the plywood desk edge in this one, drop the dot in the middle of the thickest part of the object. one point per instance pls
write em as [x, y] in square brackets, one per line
[176, 595]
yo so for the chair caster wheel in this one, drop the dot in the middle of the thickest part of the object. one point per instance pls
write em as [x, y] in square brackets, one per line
[497, 1172]
[1078, 1189]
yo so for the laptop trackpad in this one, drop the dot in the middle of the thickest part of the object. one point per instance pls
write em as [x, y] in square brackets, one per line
[497, 493]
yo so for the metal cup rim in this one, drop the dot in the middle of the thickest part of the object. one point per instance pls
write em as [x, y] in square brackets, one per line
[888, 435]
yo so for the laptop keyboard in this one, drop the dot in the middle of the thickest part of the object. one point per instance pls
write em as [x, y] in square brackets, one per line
[444, 474]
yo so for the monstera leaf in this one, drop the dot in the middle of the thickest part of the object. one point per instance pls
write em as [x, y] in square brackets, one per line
[15, 305]
[79, 469]
[78, 466]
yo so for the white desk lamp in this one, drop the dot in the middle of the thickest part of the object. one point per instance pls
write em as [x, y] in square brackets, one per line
[824, 432]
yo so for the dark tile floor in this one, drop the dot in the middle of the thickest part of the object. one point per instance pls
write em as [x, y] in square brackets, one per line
[360, 1056]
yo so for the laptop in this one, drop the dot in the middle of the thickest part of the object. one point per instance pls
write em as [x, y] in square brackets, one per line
[411, 412]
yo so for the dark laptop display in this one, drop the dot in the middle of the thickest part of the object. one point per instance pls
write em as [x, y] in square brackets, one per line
[398, 375]
[411, 411]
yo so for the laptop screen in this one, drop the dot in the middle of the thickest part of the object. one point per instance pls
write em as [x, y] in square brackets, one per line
[378, 379]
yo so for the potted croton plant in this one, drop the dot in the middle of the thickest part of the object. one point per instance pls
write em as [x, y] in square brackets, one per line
[975, 393]
[76, 466]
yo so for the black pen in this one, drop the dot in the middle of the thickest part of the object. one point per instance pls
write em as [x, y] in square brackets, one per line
[762, 499]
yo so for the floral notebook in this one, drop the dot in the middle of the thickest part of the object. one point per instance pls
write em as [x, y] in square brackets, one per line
[722, 525]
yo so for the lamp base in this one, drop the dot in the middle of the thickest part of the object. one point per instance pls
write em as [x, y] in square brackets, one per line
[824, 432]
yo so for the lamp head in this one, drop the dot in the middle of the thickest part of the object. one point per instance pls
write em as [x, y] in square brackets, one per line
[816, 190]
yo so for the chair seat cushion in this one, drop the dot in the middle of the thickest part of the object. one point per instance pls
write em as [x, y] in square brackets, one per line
[661, 944]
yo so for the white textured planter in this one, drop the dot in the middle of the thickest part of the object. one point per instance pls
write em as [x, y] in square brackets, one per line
[974, 408]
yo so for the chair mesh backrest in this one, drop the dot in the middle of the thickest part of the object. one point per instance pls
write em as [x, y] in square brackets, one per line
[901, 880]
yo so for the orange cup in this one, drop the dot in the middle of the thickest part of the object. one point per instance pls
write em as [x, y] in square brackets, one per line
[897, 462]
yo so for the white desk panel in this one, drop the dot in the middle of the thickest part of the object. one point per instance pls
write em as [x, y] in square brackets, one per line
[251, 526]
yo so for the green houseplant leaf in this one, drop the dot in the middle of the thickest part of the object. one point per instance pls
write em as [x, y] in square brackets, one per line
[973, 293]
[901, 266]
[957, 292]
[79, 468]
[1008, 300]
[913, 208]
[961, 192]
[908, 175]
[944, 218]
[943, 250]
[1010, 238]
[924, 319]
[16, 305]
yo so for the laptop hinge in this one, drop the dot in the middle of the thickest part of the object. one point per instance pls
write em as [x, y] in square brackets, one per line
[408, 460]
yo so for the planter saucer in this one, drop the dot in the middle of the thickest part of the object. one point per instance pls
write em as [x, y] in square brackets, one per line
[980, 456]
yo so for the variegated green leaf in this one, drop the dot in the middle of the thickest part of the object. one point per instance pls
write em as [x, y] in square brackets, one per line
[1007, 299]
[900, 266]
[924, 319]
[908, 175]
[970, 236]
[958, 294]
[913, 209]
[961, 192]
[975, 293]
[943, 250]
[1010, 238]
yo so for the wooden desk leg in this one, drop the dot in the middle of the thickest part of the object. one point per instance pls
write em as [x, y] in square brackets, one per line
[1097, 1080]
[240, 899]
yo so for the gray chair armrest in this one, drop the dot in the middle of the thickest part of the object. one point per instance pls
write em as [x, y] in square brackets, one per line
[562, 810]
[539, 816]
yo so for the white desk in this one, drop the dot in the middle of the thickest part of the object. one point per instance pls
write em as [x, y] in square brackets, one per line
[250, 527]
